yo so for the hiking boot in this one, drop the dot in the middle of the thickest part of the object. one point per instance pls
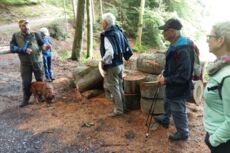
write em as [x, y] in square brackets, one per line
[23, 104]
[177, 136]
[114, 114]
[162, 121]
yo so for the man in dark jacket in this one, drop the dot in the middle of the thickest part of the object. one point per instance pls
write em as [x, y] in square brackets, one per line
[177, 76]
[113, 45]
[28, 45]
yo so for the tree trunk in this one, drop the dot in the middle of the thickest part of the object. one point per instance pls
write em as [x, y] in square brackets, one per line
[140, 22]
[66, 20]
[74, 4]
[89, 29]
[93, 13]
[77, 43]
[101, 7]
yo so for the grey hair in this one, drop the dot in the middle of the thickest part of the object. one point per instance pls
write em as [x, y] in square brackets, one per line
[222, 29]
[109, 18]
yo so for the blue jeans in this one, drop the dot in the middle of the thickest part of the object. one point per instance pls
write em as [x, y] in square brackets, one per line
[47, 67]
[177, 108]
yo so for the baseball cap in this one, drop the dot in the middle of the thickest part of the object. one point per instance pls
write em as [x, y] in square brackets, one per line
[22, 22]
[171, 23]
[45, 31]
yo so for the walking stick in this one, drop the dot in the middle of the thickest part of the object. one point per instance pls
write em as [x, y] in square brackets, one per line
[151, 110]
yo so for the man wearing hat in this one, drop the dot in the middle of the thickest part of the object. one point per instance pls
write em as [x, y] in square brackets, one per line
[177, 77]
[28, 45]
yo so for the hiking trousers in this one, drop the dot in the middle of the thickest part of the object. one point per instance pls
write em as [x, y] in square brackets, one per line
[113, 85]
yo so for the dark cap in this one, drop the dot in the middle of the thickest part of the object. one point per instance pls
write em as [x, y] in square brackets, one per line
[171, 23]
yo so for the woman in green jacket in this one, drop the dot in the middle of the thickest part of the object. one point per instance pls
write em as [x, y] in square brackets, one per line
[217, 92]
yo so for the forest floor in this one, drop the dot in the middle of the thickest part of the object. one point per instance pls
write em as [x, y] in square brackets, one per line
[78, 125]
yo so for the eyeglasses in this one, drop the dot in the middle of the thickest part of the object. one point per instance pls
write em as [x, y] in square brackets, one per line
[211, 36]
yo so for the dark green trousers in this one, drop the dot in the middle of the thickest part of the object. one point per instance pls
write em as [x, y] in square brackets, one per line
[27, 69]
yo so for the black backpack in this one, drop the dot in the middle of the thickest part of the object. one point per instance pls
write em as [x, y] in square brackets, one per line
[218, 86]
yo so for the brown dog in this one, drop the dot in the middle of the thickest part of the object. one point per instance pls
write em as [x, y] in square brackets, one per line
[42, 89]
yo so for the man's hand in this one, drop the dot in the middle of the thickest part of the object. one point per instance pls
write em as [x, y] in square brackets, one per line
[29, 51]
[46, 47]
[161, 79]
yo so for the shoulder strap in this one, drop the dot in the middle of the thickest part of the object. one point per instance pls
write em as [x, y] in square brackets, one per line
[220, 86]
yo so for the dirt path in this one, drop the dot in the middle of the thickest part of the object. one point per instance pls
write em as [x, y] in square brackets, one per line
[79, 126]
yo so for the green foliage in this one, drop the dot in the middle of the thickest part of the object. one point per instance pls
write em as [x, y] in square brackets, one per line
[62, 54]
[56, 32]
[151, 36]
[182, 7]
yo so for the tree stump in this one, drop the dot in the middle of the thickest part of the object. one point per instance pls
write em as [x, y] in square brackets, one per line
[148, 90]
[158, 105]
[132, 101]
[132, 83]
[197, 93]
[151, 63]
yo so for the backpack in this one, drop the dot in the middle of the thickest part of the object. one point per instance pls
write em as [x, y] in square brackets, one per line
[197, 66]
[218, 86]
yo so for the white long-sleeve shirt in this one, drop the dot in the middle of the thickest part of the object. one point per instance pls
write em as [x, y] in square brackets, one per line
[108, 57]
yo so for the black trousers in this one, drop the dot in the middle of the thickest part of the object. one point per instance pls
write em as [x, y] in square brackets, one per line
[222, 148]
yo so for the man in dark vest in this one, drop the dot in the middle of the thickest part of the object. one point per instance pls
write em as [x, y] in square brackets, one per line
[28, 45]
[113, 45]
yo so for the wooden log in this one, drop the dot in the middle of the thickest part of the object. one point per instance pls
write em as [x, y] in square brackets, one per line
[131, 64]
[197, 93]
[92, 93]
[132, 101]
[146, 105]
[148, 90]
[151, 63]
[5, 50]
[132, 83]
[87, 78]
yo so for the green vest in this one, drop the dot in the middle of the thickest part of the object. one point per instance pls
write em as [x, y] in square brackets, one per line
[36, 55]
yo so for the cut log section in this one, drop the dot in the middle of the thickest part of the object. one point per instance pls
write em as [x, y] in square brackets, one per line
[87, 78]
[5, 50]
[132, 101]
[197, 93]
[148, 90]
[132, 83]
[151, 63]
[146, 105]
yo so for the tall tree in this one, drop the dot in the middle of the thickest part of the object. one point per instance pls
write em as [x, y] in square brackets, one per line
[89, 29]
[66, 20]
[77, 43]
[101, 7]
[140, 22]
[74, 4]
